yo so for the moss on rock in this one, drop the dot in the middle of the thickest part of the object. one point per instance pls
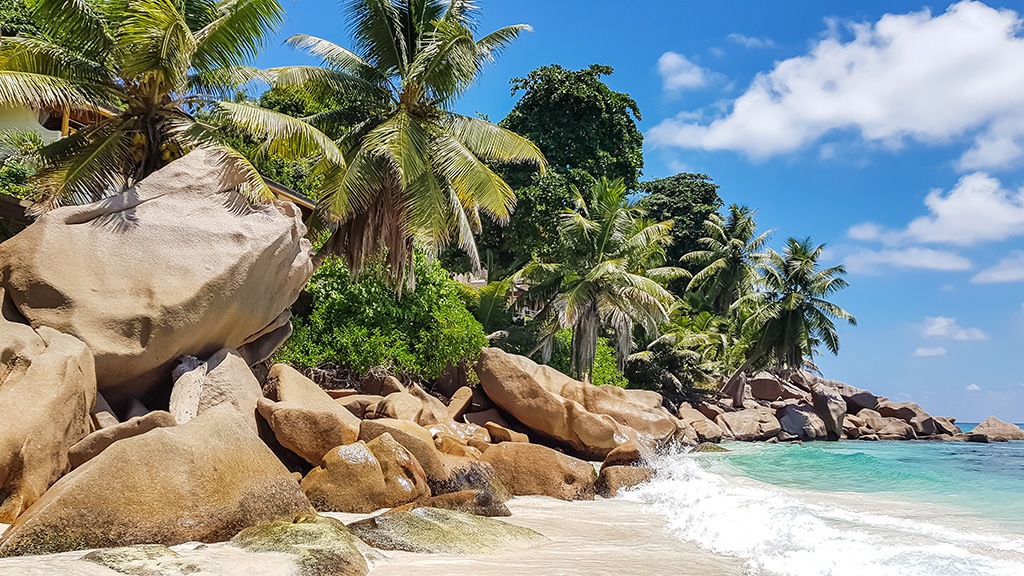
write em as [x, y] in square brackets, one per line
[322, 546]
[436, 531]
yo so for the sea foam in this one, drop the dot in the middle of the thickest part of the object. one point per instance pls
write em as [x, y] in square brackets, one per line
[791, 532]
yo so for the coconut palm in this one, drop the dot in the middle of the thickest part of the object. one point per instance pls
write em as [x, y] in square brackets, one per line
[728, 263]
[138, 68]
[417, 169]
[789, 316]
[610, 274]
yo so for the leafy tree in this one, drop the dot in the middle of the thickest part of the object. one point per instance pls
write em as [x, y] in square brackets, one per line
[16, 19]
[686, 199]
[609, 274]
[789, 316]
[418, 170]
[358, 324]
[19, 161]
[579, 123]
[728, 262]
[606, 370]
[148, 62]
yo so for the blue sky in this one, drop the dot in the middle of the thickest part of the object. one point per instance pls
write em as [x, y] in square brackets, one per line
[891, 131]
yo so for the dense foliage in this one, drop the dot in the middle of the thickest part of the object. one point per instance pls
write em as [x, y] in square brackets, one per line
[605, 371]
[359, 324]
[138, 69]
[417, 169]
[687, 200]
[16, 19]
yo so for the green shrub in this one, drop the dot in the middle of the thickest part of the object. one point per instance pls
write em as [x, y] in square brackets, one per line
[358, 325]
[605, 369]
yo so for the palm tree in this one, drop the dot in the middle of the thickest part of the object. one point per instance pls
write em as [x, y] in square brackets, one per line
[609, 274]
[789, 316]
[728, 263]
[416, 170]
[138, 68]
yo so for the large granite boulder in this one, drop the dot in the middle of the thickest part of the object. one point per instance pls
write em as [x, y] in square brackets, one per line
[364, 477]
[90, 446]
[856, 399]
[750, 425]
[224, 378]
[305, 419]
[589, 420]
[766, 386]
[203, 481]
[802, 422]
[180, 264]
[321, 546]
[437, 531]
[884, 427]
[706, 430]
[831, 408]
[998, 431]
[612, 479]
[47, 390]
[532, 469]
[415, 405]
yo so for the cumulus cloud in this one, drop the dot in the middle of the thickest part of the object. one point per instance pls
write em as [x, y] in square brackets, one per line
[973, 388]
[1009, 269]
[926, 352]
[945, 327]
[867, 261]
[679, 73]
[978, 209]
[918, 77]
[751, 41]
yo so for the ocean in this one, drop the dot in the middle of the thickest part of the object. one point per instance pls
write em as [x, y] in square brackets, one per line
[814, 509]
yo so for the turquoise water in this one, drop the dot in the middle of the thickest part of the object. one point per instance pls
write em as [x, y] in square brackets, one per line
[849, 508]
[985, 480]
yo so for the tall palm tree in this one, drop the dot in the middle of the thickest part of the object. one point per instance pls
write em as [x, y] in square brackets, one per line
[610, 274]
[729, 259]
[139, 67]
[417, 169]
[789, 316]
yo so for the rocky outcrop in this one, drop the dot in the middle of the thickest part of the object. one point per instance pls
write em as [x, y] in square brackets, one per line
[612, 479]
[47, 390]
[320, 545]
[750, 425]
[305, 420]
[478, 502]
[224, 378]
[766, 386]
[531, 469]
[706, 430]
[801, 422]
[995, 430]
[589, 420]
[856, 399]
[202, 481]
[831, 408]
[415, 405]
[90, 446]
[364, 477]
[180, 264]
[437, 531]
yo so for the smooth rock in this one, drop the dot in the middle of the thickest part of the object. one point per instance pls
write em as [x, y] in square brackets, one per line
[322, 546]
[100, 440]
[47, 391]
[359, 404]
[750, 425]
[706, 430]
[589, 420]
[612, 479]
[998, 431]
[801, 422]
[831, 408]
[224, 378]
[206, 270]
[460, 402]
[415, 405]
[202, 481]
[631, 453]
[478, 502]
[436, 531]
[501, 434]
[532, 469]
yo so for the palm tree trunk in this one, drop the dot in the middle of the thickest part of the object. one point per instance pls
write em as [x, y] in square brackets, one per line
[584, 343]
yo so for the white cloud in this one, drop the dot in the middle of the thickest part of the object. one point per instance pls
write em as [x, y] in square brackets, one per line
[919, 77]
[866, 261]
[973, 387]
[679, 73]
[945, 327]
[925, 352]
[978, 209]
[751, 41]
[1009, 269]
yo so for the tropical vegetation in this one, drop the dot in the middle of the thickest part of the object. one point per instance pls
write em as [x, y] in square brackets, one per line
[646, 284]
